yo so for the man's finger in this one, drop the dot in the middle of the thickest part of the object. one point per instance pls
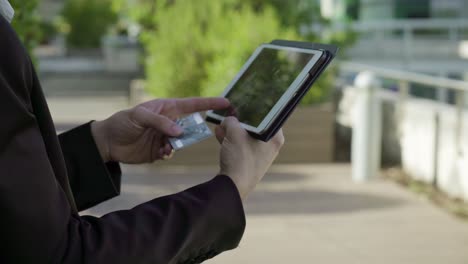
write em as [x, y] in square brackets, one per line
[220, 134]
[198, 104]
[168, 149]
[145, 118]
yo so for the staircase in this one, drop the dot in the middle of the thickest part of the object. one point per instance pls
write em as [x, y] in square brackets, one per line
[82, 76]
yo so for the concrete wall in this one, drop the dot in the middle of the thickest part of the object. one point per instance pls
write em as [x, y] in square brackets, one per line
[309, 134]
[452, 173]
[431, 156]
[417, 139]
[377, 9]
[426, 134]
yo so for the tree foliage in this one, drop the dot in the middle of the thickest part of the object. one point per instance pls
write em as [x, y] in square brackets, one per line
[198, 46]
[27, 22]
[195, 48]
[88, 21]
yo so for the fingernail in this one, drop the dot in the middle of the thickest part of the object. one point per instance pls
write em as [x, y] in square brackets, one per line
[177, 129]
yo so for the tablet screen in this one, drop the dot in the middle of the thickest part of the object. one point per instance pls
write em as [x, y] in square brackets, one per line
[263, 83]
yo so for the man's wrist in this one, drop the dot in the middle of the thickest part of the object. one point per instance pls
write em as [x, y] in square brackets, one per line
[100, 138]
[240, 187]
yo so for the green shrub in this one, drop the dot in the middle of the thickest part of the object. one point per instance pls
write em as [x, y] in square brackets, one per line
[194, 48]
[27, 22]
[88, 21]
[48, 31]
[199, 46]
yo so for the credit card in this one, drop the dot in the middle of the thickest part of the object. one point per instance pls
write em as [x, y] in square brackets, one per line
[195, 130]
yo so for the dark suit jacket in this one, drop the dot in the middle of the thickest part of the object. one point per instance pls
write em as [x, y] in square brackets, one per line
[46, 180]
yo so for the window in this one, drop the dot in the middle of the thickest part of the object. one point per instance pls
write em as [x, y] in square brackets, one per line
[412, 9]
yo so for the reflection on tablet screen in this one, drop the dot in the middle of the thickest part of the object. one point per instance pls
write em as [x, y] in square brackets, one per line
[263, 83]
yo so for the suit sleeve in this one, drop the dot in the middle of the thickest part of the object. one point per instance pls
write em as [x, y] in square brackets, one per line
[38, 225]
[92, 181]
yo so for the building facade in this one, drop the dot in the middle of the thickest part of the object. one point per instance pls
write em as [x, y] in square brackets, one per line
[427, 36]
[50, 8]
[368, 10]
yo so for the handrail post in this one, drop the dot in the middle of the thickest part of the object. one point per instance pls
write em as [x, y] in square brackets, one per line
[367, 128]
[460, 104]
[408, 43]
[403, 95]
[453, 34]
[442, 92]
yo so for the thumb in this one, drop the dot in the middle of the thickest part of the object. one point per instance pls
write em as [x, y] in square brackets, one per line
[233, 128]
[147, 119]
[220, 134]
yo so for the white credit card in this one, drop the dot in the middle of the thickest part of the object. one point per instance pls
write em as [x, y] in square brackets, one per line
[195, 130]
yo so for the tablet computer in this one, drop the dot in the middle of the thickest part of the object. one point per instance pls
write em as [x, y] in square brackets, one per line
[269, 86]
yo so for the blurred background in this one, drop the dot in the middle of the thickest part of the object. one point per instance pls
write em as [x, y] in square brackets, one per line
[375, 166]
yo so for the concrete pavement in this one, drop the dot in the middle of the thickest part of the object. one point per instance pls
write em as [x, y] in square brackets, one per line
[299, 213]
[303, 213]
[315, 214]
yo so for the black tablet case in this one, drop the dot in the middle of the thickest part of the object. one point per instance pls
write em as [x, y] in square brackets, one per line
[331, 50]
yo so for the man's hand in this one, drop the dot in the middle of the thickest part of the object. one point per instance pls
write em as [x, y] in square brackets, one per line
[243, 158]
[139, 135]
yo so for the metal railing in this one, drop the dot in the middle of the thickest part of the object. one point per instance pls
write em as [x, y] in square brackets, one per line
[368, 81]
[452, 26]
[407, 77]
[404, 38]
